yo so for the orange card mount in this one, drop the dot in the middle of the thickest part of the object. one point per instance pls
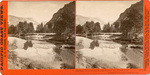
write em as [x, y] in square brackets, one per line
[42, 37]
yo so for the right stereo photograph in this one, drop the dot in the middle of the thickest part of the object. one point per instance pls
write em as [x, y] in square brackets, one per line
[109, 34]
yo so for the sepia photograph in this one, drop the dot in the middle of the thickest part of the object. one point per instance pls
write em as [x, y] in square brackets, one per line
[109, 34]
[41, 35]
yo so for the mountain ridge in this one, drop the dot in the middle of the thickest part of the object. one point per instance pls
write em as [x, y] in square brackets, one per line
[63, 20]
[82, 20]
[14, 20]
[130, 21]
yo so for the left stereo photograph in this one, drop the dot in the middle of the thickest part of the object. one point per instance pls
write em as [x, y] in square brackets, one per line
[41, 35]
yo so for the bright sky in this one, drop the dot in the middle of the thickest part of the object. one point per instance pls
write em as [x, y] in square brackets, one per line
[40, 11]
[107, 11]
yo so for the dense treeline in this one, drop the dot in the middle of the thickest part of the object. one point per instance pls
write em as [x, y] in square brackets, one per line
[88, 28]
[91, 27]
[42, 28]
[21, 28]
[107, 28]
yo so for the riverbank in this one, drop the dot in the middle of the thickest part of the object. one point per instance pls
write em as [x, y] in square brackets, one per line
[107, 55]
[40, 56]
